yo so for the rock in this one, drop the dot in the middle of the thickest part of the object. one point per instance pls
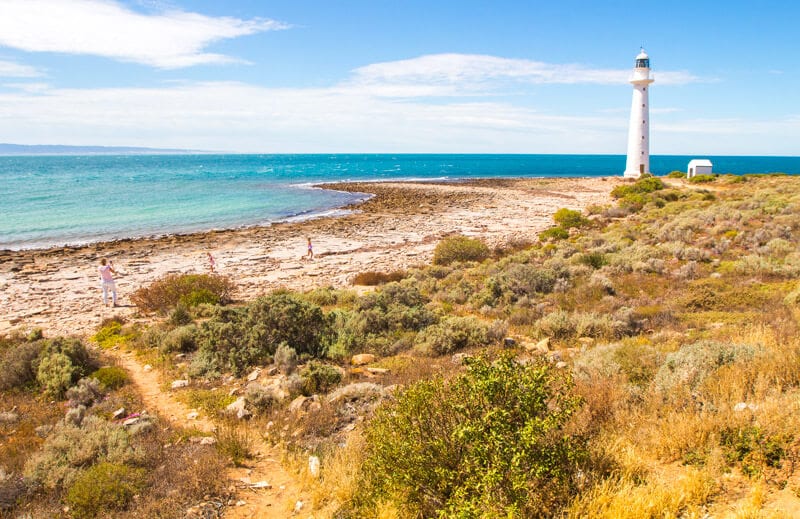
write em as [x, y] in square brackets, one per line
[241, 502]
[193, 415]
[119, 413]
[298, 506]
[131, 421]
[378, 371]
[254, 375]
[238, 408]
[362, 358]
[176, 384]
[272, 371]
[297, 404]
[509, 342]
[147, 367]
[8, 417]
[542, 347]
[313, 466]
[561, 364]
[43, 431]
[260, 484]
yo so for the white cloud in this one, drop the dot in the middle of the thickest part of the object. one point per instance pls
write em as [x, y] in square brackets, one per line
[239, 117]
[459, 74]
[171, 39]
[12, 69]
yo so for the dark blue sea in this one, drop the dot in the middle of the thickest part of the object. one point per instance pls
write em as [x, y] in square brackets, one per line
[58, 200]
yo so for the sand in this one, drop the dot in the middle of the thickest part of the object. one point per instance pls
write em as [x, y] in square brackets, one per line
[58, 289]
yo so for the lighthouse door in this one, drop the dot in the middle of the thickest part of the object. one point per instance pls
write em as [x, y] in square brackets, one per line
[641, 169]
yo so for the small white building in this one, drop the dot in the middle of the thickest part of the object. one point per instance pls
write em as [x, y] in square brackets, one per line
[698, 167]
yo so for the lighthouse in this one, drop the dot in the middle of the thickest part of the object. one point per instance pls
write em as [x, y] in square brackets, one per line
[638, 162]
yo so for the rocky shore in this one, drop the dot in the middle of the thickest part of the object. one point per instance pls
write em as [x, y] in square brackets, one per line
[58, 289]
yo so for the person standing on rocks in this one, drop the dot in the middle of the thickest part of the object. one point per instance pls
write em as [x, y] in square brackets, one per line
[212, 265]
[107, 282]
[310, 254]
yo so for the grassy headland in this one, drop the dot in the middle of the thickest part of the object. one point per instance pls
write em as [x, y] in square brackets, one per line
[639, 359]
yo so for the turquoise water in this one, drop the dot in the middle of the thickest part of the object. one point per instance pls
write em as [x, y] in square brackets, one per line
[72, 199]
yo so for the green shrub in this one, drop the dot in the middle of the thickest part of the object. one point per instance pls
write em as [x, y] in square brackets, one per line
[286, 358]
[111, 334]
[236, 339]
[753, 449]
[676, 174]
[61, 363]
[563, 325]
[568, 218]
[190, 290]
[595, 259]
[70, 448]
[104, 488]
[459, 248]
[259, 398]
[19, 364]
[319, 378]
[373, 278]
[182, 339]
[526, 280]
[554, 234]
[85, 393]
[180, 316]
[688, 367]
[491, 442]
[641, 186]
[111, 377]
[702, 179]
[453, 334]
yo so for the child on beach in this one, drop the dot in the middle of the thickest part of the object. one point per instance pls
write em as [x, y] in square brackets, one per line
[211, 263]
[310, 254]
[107, 282]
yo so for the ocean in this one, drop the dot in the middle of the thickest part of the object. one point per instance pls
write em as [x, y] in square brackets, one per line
[57, 200]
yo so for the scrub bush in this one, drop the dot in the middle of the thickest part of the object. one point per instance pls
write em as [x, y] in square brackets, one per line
[554, 233]
[373, 278]
[702, 179]
[687, 368]
[61, 363]
[319, 378]
[70, 448]
[453, 334]
[236, 339]
[460, 248]
[18, 364]
[104, 488]
[182, 339]
[165, 293]
[491, 442]
[111, 377]
[568, 218]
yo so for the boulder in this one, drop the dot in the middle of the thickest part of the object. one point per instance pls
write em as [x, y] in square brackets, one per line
[238, 408]
[176, 384]
[362, 358]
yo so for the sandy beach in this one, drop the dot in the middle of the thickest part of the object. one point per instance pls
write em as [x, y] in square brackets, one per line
[58, 289]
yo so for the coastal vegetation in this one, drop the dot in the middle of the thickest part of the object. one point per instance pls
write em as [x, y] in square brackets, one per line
[641, 359]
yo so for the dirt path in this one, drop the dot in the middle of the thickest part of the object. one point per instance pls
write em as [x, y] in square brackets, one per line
[254, 500]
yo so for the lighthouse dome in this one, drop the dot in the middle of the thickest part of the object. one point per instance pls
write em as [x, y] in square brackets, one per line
[642, 55]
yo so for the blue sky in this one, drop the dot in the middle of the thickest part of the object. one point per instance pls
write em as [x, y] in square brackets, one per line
[408, 76]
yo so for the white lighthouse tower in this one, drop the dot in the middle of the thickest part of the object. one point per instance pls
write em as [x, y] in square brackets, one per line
[638, 162]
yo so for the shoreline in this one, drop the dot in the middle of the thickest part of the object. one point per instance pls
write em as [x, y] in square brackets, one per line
[57, 289]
